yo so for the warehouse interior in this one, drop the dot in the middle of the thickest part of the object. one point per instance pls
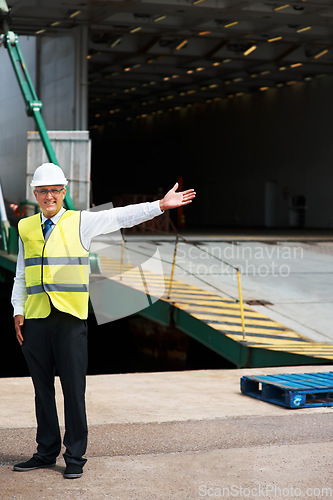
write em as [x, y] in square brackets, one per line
[232, 96]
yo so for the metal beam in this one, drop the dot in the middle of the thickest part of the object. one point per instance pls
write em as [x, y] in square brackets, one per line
[236, 352]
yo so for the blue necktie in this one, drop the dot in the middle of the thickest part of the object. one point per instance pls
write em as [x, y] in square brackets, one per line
[47, 227]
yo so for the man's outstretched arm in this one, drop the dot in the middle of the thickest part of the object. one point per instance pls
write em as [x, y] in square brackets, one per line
[94, 223]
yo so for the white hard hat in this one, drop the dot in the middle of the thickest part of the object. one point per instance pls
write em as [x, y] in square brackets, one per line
[48, 174]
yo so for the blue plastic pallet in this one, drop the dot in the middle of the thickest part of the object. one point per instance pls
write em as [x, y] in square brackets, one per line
[292, 390]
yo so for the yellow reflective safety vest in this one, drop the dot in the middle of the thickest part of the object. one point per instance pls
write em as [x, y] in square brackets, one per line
[56, 270]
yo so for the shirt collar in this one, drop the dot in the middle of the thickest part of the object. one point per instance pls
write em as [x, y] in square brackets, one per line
[56, 217]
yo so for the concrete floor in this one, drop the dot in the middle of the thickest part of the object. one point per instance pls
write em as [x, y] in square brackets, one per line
[174, 436]
[193, 435]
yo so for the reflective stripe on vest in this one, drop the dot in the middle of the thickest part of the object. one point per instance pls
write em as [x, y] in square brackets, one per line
[56, 261]
[56, 270]
[63, 287]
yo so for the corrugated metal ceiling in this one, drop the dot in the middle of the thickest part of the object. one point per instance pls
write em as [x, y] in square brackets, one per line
[148, 55]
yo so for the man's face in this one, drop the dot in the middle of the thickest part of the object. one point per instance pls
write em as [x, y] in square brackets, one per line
[51, 202]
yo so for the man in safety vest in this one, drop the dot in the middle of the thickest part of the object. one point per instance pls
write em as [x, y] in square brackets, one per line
[50, 300]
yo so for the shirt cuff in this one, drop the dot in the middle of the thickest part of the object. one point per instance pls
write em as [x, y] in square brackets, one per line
[156, 208]
[18, 310]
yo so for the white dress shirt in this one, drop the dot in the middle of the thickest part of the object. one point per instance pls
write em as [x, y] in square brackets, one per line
[92, 224]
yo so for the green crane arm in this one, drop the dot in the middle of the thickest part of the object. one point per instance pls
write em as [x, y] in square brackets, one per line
[33, 105]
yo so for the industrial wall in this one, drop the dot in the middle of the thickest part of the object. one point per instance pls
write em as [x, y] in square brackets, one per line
[56, 81]
[261, 160]
[14, 123]
[63, 80]
[56, 69]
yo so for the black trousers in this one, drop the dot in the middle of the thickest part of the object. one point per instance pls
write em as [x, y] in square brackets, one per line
[58, 344]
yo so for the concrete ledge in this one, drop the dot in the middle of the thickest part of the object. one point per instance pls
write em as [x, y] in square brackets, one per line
[174, 436]
[152, 397]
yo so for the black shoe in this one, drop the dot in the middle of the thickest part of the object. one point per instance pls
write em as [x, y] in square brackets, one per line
[73, 471]
[32, 464]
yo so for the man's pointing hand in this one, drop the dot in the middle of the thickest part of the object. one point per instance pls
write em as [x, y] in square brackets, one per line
[174, 199]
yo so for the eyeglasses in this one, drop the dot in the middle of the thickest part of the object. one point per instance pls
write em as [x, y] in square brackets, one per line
[44, 192]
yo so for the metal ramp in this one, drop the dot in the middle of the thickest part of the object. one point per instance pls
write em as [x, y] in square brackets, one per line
[216, 322]
[212, 320]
